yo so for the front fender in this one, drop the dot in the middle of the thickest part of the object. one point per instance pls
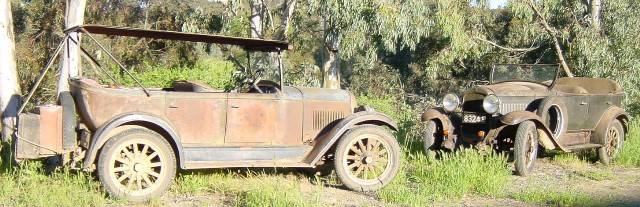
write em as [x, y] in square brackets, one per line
[440, 115]
[326, 140]
[100, 137]
[545, 135]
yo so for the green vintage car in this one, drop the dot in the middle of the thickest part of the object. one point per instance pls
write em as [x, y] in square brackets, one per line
[524, 108]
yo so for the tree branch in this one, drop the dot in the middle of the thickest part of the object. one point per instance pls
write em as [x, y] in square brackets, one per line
[552, 32]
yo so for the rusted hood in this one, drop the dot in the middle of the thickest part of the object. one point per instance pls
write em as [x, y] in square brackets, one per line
[325, 94]
[512, 89]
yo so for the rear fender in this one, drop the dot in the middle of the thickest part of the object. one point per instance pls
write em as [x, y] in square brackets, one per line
[545, 135]
[327, 140]
[103, 133]
[440, 115]
[609, 115]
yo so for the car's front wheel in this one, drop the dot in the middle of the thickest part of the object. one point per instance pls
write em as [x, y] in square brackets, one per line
[614, 140]
[136, 164]
[367, 158]
[525, 149]
[432, 138]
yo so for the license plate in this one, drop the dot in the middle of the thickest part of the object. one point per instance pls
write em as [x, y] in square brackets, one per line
[474, 118]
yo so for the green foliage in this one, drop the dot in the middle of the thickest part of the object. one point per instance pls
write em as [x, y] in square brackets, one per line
[630, 154]
[216, 73]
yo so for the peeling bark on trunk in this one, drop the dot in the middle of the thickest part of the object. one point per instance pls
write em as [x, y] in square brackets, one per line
[9, 88]
[255, 20]
[596, 8]
[331, 77]
[552, 33]
[70, 59]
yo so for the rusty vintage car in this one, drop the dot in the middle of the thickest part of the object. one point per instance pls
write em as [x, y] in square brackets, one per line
[136, 137]
[523, 107]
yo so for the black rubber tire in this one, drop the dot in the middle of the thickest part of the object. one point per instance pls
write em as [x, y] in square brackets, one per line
[430, 139]
[525, 147]
[603, 154]
[543, 112]
[344, 145]
[112, 146]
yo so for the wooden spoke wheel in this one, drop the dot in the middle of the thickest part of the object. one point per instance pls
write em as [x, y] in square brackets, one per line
[367, 158]
[614, 140]
[525, 150]
[136, 164]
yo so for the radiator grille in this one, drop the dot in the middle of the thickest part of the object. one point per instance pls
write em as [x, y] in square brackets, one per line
[509, 107]
[321, 118]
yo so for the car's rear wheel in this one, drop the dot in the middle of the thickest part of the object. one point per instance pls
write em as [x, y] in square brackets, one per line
[367, 158]
[136, 165]
[614, 140]
[525, 149]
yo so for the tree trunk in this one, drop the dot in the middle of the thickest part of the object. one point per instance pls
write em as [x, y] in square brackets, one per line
[70, 59]
[9, 90]
[552, 33]
[255, 20]
[596, 7]
[331, 77]
[331, 68]
[288, 8]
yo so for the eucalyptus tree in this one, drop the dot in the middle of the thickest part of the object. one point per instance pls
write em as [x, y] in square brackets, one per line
[367, 28]
[9, 88]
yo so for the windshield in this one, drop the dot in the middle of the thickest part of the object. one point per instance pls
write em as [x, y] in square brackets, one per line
[543, 74]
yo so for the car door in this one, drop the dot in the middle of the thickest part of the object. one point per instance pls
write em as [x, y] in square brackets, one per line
[577, 109]
[251, 118]
[199, 118]
[257, 119]
[598, 104]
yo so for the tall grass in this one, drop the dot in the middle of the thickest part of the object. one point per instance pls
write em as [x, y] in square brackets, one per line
[630, 154]
[30, 185]
[250, 189]
[426, 179]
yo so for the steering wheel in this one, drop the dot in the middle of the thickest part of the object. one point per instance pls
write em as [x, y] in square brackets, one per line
[252, 80]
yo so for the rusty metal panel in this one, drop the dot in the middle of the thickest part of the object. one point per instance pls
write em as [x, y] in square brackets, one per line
[289, 123]
[199, 120]
[28, 129]
[97, 104]
[50, 129]
[319, 116]
[251, 118]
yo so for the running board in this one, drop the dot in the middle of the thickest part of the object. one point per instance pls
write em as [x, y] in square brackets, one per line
[582, 146]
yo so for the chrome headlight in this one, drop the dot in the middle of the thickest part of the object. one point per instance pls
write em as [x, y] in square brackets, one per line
[491, 104]
[450, 102]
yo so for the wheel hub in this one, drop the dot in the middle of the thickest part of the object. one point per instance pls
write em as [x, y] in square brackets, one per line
[368, 160]
[138, 167]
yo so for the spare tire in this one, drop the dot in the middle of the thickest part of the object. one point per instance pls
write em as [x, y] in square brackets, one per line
[553, 113]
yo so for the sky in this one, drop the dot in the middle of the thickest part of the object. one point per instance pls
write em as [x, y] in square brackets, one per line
[497, 3]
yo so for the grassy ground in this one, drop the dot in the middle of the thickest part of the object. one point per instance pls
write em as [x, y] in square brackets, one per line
[422, 181]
